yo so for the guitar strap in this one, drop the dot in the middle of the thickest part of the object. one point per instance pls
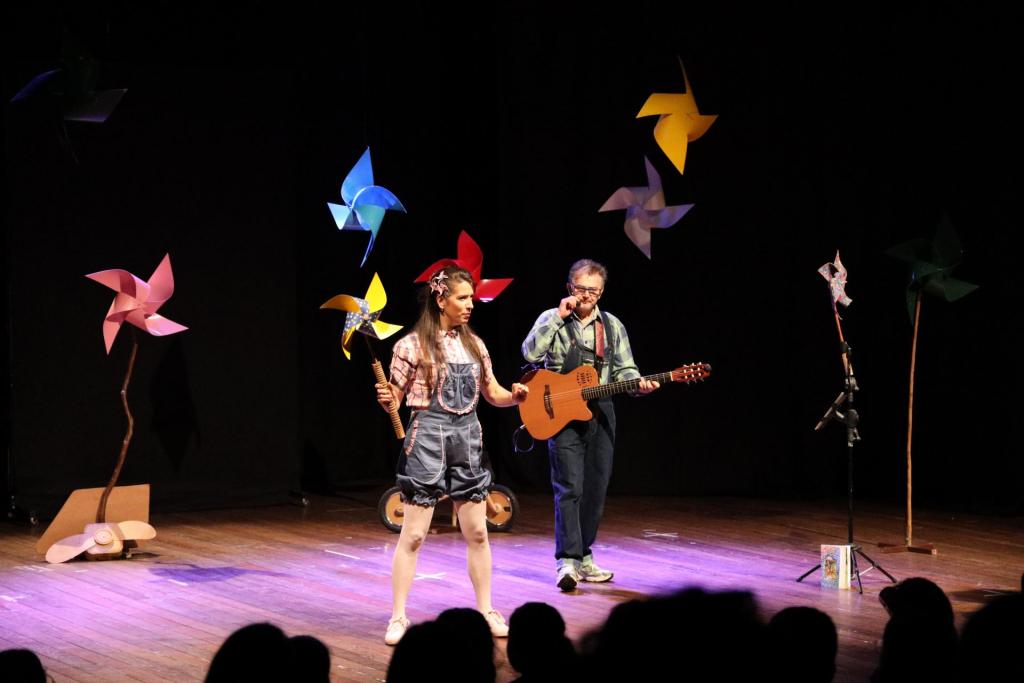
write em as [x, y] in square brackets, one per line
[577, 354]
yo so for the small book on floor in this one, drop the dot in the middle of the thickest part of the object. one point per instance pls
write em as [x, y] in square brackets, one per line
[835, 566]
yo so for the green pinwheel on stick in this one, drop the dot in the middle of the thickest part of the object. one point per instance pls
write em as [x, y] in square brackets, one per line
[930, 265]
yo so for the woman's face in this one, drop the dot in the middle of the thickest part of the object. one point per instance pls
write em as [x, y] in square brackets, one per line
[457, 306]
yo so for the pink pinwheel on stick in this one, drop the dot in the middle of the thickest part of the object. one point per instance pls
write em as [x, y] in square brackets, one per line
[137, 302]
[835, 273]
[472, 259]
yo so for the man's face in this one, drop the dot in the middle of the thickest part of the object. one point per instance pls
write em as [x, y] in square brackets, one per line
[587, 288]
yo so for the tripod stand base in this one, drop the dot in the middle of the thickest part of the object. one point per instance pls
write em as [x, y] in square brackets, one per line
[855, 572]
[926, 549]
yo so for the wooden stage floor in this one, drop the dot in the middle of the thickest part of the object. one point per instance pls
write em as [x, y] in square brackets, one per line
[324, 570]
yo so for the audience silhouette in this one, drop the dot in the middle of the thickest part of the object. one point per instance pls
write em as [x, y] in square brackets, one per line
[475, 643]
[22, 666]
[257, 652]
[920, 640]
[704, 636]
[311, 660]
[423, 652]
[695, 634]
[537, 645]
[262, 652]
[990, 644]
[802, 644]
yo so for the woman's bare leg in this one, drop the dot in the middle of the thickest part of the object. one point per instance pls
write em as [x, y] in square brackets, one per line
[415, 525]
[473, 522]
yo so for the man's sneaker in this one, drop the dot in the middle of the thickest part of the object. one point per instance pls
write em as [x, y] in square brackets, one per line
[568, 576]
[591, 573]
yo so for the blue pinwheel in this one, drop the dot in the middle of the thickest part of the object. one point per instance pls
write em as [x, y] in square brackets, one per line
[365, 203]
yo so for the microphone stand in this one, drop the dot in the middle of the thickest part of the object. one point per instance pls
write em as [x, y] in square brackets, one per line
[850, 418]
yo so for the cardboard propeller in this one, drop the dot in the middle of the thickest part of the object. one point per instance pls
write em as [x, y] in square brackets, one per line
[106, 538]
[123, 503]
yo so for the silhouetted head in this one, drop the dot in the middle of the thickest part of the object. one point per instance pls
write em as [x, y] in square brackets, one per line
[537, 645]
[990, 644]
[920, 641]
[257, 652]
[422, 653]
[476, 645]
[702, 629]
[22, 666]
[311, 660]
[803, 643]
[917, 597]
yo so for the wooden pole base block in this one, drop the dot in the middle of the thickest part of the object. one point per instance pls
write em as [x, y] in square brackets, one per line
[926, 549]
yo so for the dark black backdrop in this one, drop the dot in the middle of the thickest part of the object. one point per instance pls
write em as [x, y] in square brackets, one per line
[515, 123]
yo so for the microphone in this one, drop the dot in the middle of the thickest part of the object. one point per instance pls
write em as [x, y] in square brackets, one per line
[831, 412]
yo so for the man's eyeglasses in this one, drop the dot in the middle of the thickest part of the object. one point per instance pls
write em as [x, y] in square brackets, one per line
[580, 290]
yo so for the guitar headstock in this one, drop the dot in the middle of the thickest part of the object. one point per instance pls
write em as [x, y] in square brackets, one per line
[694, 372]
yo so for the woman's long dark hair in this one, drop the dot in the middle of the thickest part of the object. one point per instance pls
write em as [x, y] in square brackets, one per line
[428, 326]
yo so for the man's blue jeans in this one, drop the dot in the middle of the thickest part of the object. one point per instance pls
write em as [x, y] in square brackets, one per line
[581, 465]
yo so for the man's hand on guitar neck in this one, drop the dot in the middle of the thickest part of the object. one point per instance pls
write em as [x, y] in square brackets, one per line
[646, 386]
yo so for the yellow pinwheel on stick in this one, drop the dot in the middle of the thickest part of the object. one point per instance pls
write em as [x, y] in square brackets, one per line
[362, 315]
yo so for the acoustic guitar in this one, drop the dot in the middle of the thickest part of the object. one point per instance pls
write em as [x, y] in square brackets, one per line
[555, 400]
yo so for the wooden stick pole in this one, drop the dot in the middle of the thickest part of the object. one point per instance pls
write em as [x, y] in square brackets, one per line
[908, 531]
[378, 372]
[847, 368]
[910, 425]
[101, 510]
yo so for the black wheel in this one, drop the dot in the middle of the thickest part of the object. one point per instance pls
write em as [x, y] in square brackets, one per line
[502, 508]
[391, 509]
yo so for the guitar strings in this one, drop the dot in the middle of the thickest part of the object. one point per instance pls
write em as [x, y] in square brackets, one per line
[573, 394]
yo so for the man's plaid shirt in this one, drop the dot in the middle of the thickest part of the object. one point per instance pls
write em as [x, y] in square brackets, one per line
[549, 341]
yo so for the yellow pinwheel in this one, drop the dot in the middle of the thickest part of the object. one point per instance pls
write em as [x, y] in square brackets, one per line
[680, 122]
[362, 314]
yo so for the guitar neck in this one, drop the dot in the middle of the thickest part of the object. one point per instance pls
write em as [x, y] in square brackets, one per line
[603, 390]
